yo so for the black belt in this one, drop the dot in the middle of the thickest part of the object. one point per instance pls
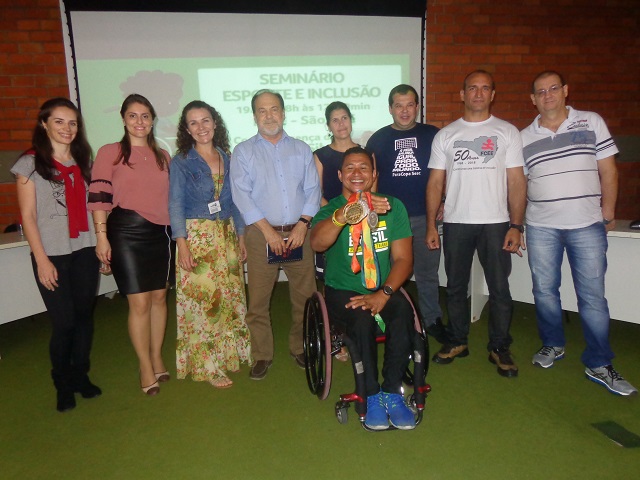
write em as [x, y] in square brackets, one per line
[283, 228]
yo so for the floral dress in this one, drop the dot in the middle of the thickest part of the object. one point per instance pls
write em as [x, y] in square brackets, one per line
[213, 337]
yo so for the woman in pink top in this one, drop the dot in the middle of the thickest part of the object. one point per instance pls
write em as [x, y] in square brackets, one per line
[128, 195]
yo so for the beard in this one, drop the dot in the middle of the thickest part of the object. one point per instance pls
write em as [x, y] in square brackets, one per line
[270, 129]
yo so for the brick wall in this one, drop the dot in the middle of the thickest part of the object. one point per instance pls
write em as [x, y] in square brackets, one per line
[32, 66]
[595, 44]
[32, 69]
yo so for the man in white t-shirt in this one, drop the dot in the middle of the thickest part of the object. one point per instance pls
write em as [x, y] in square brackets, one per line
[573, 185]
[480, 157]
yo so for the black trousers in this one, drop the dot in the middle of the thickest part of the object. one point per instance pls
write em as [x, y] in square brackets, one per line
[361, 328]
[70, 307]
[460, 241]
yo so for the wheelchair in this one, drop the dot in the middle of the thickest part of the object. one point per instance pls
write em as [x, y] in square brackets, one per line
[322, 341]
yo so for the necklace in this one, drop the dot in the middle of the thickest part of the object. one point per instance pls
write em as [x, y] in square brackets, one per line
[133, 149]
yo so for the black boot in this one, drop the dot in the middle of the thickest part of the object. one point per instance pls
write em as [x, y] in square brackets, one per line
[66, 400]
[83, 386]
[438, 331]
[87, 389]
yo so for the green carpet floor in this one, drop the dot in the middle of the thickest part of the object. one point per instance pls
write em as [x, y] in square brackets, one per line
[477, 424]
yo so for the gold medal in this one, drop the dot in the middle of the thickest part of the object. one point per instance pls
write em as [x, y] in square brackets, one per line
[355, 212]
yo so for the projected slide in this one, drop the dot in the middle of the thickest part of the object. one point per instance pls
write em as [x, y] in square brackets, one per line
[110, 66]
[306, 92]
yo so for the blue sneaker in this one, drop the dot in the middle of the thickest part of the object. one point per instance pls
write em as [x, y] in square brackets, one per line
[400, 415]
[376, 418]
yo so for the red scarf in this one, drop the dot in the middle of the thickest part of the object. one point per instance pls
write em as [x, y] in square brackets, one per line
[76, 196]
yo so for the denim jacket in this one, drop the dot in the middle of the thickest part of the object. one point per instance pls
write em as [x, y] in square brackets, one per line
[191, 189]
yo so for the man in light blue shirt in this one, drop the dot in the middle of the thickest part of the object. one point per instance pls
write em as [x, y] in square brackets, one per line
[275, 186]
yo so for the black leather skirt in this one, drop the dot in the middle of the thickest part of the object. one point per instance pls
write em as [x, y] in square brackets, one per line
[141, 252]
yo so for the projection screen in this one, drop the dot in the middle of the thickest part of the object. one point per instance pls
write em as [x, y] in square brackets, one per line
[223, 58]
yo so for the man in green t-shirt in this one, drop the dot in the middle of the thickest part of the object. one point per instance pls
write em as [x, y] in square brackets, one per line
[351, 305]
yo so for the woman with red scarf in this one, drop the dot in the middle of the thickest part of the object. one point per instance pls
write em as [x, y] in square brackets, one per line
[52, 181]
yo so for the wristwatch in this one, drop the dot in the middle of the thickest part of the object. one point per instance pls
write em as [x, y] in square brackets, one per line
[305, 221]
[520, 228]
[387, 290]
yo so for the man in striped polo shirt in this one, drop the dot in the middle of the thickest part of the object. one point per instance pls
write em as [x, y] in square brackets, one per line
[572, 189]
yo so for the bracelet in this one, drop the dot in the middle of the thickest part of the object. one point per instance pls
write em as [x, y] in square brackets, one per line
[100, 231]
[99, 223]
[606, 221]
[335, 221]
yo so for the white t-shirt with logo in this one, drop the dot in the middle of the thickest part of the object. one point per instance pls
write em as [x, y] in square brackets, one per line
[476, 156]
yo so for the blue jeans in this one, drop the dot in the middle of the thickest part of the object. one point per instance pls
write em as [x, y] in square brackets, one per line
[425, 268]
[460, 241]
[587, 253]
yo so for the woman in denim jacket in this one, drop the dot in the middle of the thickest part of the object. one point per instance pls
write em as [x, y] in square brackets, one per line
[213, 337]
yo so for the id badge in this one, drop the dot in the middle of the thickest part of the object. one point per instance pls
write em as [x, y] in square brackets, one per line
[214, 207]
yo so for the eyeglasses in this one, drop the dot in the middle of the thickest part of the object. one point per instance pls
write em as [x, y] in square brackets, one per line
[552, 90]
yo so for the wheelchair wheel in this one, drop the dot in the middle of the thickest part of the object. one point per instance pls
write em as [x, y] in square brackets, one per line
[342, 413]
[410, 400]
[317, 346]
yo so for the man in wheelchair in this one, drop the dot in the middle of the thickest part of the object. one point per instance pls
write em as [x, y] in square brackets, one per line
[367, 239]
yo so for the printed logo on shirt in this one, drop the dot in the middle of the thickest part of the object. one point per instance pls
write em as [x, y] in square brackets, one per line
[578, 124]
[477, 151]
[60, 202]
[380, 240]
[583, 138]
[406, 163]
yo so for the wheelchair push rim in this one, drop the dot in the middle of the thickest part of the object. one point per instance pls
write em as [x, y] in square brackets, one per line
[317, 346]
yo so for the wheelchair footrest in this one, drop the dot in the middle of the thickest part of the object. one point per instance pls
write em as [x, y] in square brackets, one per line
[351, 397]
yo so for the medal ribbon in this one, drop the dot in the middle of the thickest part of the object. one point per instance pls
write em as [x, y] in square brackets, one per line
[361, 237]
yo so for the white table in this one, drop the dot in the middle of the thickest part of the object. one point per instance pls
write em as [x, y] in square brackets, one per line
[19, 295]
[622, 281]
